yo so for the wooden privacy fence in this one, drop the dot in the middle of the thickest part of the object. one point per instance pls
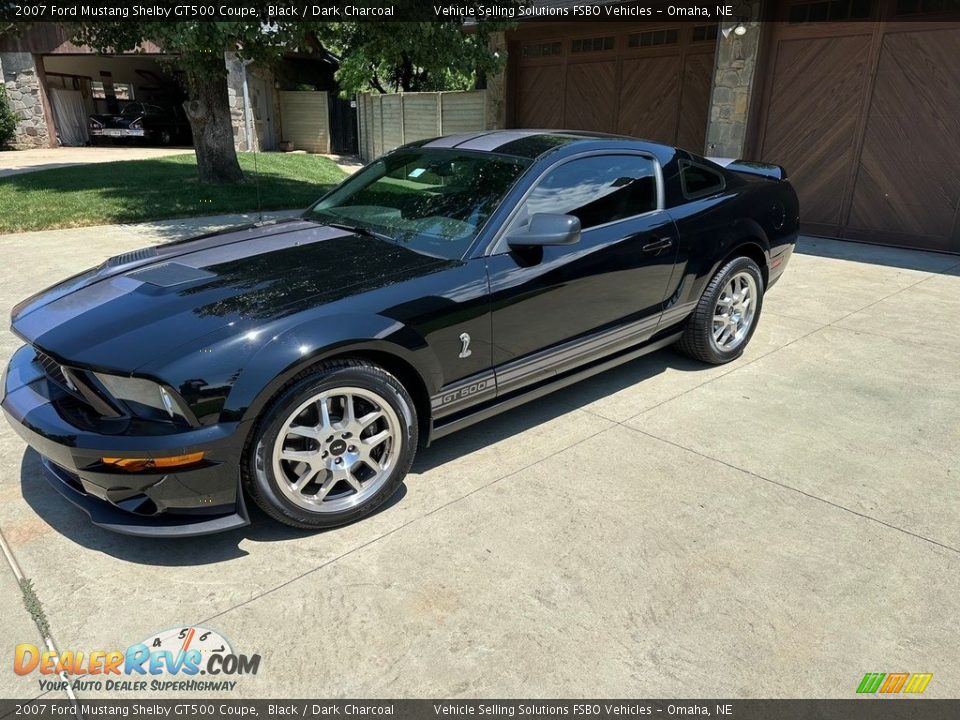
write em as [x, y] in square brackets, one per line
[389, 121]
[304, 117]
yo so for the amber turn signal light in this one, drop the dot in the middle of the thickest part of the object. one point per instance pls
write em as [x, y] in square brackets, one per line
[137, 464]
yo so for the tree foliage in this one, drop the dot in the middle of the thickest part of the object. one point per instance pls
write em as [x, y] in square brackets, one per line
[410, 56]
[8, 118]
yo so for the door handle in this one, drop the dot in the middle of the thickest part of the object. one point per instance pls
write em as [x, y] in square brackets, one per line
[658, 245]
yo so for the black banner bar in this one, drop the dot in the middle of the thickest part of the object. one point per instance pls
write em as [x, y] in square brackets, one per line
[872, 708]
[39, 11]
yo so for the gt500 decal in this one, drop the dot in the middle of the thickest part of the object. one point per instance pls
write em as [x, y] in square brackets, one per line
[466, 391]
[472, 387]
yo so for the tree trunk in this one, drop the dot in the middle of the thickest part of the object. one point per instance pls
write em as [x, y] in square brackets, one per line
[208, 111]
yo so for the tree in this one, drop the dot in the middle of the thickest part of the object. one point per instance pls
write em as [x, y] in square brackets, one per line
[8, 118]
[198, 48]
[410, 56]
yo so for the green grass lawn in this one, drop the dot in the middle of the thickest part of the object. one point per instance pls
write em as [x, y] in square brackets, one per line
[138, 190]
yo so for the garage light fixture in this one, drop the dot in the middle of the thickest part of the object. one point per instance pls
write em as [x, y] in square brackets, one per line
[738, 28]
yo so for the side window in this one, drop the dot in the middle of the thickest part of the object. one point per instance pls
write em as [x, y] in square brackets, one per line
[699, 181]
[597, 190]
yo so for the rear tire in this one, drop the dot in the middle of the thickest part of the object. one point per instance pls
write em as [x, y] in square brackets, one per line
[724, 320]
[332, 447]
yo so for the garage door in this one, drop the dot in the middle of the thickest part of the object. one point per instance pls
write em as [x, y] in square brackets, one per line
[866, 119]
[304, 117]
[650, 82]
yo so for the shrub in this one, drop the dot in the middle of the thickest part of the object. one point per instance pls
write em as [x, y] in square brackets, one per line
[8, 118]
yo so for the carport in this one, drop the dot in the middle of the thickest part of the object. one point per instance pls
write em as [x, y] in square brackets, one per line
[85, 84]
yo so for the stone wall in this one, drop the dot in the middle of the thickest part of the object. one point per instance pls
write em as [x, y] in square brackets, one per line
[23, 90]
[235, 98]
[236, 101]
[735, 84]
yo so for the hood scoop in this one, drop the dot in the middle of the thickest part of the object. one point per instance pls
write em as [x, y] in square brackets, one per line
[133, 256]
[170, 274]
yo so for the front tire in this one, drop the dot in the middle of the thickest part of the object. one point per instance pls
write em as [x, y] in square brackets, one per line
[333, 446]
[724, 320]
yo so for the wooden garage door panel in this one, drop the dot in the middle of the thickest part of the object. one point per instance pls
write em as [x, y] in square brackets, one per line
[695, 103]
[811, 119]
[590, 93]
[649, 98]
[891, 198]
[908, 179]
[539, 100]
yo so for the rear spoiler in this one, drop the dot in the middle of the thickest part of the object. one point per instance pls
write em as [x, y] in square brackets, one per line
[774, 172]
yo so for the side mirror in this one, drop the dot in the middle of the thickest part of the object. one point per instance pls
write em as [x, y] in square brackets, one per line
[546, 229]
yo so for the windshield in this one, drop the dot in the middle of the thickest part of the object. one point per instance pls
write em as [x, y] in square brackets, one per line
[433, 200]
[132, 109]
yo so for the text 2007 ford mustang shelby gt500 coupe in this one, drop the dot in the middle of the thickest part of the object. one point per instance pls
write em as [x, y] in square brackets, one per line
[301, 363]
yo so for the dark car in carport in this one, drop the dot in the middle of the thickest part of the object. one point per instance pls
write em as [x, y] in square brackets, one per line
[142, 123]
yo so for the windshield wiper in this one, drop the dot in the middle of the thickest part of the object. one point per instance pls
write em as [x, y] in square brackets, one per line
[358, 229]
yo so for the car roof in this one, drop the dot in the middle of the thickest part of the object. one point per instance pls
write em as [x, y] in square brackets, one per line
[532, 144]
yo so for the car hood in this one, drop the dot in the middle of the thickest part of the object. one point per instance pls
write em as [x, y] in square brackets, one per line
[138, 306]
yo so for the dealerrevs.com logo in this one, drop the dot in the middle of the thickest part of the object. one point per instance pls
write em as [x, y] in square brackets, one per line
[172, 660]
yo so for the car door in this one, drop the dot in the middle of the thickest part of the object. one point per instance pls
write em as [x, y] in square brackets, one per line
[557, 307]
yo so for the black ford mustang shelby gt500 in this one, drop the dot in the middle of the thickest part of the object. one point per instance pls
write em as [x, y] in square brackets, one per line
[301, 363]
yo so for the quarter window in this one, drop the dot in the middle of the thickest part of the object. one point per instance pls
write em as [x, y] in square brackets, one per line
[597, 190]
[699, 181]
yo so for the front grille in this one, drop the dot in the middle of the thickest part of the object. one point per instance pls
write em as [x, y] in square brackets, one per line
[54, 371]
[79, 386]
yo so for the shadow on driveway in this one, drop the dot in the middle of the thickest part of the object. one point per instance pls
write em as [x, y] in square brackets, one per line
[74, 524]
[860, 252]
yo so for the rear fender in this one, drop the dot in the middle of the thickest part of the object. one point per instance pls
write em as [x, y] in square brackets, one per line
[743, 235]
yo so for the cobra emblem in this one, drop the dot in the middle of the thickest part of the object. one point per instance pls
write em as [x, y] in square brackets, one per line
[465, 351]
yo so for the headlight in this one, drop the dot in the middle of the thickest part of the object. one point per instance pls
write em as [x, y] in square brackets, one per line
[145, 398]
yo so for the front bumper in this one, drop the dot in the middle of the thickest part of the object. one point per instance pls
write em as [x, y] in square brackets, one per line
[119, 133]
[199, 499]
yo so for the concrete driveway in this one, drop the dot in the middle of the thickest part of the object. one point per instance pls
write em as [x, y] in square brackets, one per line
[775, 527]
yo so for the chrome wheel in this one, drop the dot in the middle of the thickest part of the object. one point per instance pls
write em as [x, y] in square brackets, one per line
[735, 311]
[337, 449]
